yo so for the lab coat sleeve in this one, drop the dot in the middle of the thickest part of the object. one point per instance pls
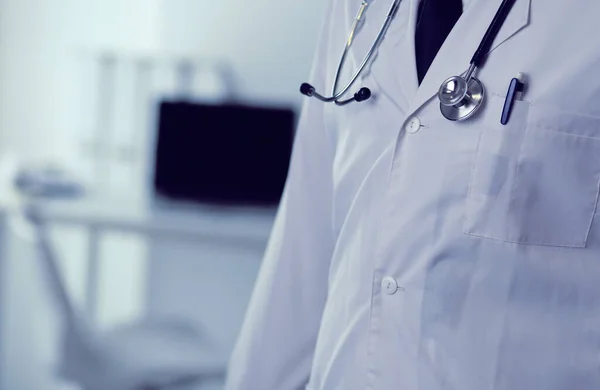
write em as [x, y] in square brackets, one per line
[276, 344]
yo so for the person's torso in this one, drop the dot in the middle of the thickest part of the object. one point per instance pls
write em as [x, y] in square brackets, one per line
[491, 232]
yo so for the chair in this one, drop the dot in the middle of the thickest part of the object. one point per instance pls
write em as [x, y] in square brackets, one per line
[145, 355]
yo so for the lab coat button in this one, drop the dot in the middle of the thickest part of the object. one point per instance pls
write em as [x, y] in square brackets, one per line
[413, 125]
[389, 285]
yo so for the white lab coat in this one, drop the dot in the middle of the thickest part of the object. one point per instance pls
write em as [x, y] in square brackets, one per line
[462, 256]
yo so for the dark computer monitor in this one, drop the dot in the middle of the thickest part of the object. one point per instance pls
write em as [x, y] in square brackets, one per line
[223, 153]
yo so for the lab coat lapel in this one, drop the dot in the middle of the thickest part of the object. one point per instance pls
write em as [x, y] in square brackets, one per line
[456, 52]
[406, 72]
[392, 69]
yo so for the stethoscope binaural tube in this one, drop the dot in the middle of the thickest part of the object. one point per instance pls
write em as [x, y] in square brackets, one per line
[363, 93]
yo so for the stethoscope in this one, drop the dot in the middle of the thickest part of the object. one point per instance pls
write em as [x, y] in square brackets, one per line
[460, 96]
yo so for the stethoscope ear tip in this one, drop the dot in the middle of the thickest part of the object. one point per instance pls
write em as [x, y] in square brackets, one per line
[363, 94]
[307, 89]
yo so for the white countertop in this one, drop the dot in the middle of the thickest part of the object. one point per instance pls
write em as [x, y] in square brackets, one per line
[176, 219]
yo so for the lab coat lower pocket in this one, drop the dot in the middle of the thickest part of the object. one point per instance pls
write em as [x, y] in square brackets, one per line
[535, 181]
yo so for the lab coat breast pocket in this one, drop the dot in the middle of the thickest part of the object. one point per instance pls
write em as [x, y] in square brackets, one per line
[536, 180]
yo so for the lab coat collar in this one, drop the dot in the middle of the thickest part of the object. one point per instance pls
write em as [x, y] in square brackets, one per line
[456, 52]
[466, 3]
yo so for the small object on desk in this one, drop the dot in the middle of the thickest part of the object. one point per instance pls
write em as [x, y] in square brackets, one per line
[517, 86]
[48, 182]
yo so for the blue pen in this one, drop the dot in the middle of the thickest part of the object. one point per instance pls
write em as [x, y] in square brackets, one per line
[517, 85]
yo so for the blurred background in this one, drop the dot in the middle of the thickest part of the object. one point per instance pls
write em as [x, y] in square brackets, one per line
[143, 150]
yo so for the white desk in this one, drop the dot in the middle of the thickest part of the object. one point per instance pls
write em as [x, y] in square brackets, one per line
[248, 226]
[175, 224]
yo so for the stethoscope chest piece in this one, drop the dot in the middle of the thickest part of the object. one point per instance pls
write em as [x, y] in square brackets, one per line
[460, 99]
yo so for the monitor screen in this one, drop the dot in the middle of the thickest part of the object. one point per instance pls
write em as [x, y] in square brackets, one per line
[223, 153]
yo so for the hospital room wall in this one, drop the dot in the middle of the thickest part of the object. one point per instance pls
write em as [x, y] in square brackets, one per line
[40, 43]
[268, 43]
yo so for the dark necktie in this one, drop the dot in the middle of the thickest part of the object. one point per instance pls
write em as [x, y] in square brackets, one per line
[435, 20]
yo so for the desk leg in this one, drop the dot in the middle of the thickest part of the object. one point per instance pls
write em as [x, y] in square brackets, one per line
[93, 272]
[3, 284]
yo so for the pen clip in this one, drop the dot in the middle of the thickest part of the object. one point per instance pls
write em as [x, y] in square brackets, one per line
[515, 87]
